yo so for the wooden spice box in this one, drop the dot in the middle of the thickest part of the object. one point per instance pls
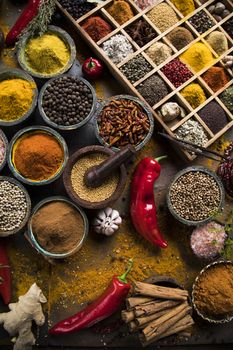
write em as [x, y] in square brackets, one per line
[174, 93]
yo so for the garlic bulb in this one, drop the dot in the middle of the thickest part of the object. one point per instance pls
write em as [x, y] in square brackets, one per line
[107, 221]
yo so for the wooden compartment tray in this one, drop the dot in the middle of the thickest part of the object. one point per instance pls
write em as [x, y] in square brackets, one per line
[174, 94]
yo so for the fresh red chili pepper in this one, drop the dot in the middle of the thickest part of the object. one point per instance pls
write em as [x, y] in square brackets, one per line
[5, 276]
[92, 68]
[142, 203]
[104, 306]
[26, 16]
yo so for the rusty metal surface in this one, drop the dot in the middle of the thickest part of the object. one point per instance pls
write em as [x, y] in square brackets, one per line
[65, 284]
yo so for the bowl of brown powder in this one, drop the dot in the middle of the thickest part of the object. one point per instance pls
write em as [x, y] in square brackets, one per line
[212, 293]
[57, 227]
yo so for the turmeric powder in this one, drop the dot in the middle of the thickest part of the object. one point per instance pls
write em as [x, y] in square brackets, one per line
[197, 57]
[185, 7]
[16, 97]
[121, 11]
[194, 94]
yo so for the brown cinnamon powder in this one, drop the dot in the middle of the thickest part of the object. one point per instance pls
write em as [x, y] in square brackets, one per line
[58, 227]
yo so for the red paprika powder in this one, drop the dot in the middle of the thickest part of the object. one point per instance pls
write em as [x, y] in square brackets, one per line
[97, 28]
[216, 78]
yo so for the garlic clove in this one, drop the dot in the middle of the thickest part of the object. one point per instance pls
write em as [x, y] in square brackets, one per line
[101, 215]
[96, 222]
[108, 211]
[99, 229]
[118, 220]
[114, 227]
[115, 214]
[109, 231]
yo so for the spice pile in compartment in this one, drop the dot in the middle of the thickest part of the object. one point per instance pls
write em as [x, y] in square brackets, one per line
[197, 57]
[170, 111]
[97, 194]
[16, 97]
[67, 101]
[185, 7]
[136, 68]
[123, 122]
[180, 37]
[192, 131]
[201, 22]
[2, 149]
[121, 11]
[141, 32]
[227, 98]
[153, 89]
[195, 196]
[96, 27]
[214, 116]
[37, 156]
[47, 54]
[216, 78]
[143, 4]
[218, 10]
[194, 95]
[13, 206]
[207, 241]
[163, 16]
[58, 227]
[159, 52]
[77, 8]
[228, 27]
[117, 48]
[225, 169]
[218, 41]
[213, 292]
[177, 72]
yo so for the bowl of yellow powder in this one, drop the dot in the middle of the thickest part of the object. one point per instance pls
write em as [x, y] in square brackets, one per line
[18, 97]
[37, 155]
[48, 55]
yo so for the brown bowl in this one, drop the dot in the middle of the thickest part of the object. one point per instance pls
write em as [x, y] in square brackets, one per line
[68, 185]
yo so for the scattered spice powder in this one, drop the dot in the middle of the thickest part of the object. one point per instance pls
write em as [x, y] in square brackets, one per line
[58, 227]
[89, 194]
[213, 292]
[159, 52]
[97, 28]
[163, 16]
[37, 156]
[177, 72]
[194, 94]
[197, 57]
[216, 78]
[121, 11]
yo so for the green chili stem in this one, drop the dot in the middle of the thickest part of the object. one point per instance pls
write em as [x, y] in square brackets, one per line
[122, 278]
[160, 158]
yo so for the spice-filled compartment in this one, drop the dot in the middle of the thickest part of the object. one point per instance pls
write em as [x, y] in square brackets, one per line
[97, 26]
[220, 9]
[121, 11]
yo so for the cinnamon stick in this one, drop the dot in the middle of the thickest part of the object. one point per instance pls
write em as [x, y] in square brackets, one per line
[147, 289]
[132, 327]
[153, 307]
[140, 321]
[134, 301]
[127, 316]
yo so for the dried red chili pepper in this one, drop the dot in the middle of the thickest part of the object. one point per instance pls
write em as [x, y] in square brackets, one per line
[5, 276]
[142, 203]
[103, 307]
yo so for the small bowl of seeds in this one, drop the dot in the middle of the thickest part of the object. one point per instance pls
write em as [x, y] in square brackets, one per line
[74, 179]
[195, 195]
[122, 120]
[15, 206]
[67, 102]
[3, 149]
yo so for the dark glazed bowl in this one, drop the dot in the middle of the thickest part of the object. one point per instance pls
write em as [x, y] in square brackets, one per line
[195, 169]
[28, 200]
[63, 35]
[68, 185]
[19, 74]
[228, 318]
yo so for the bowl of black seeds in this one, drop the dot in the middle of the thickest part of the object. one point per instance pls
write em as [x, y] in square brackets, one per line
[67, 102]
[195, 195]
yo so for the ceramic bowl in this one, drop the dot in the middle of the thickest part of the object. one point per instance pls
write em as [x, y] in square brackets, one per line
[68, 185]
[30, 236]
[5, 141]
[35, 129]
[212, 319]
[28, 200]
[185, 171]
[62, 35]
[125, 97]
[19, 74]
[64, 127]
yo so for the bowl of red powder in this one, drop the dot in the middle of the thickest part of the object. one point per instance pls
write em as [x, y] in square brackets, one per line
[37, 155]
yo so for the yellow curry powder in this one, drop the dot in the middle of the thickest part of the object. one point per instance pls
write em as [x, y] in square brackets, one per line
[47, 54]
[16, 97]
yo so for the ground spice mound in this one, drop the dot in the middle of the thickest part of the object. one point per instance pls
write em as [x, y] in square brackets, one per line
[121, 11]
[213, 292]
[214, 116]
[197, 57]
[58, 227]
[194, 94]
[159, 52]
[180, 37]
[216, 78]
[218, 41]
[97, 28]
[163, 16]
[185, 7]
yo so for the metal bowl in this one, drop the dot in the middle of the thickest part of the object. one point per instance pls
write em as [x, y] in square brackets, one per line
[30, 236]
[28, 200]
[19, 74]
[195, 169]
[228, 318]
[34, 129]
[125, 97]
[5, 141]
[62, 35]
[64, 127]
